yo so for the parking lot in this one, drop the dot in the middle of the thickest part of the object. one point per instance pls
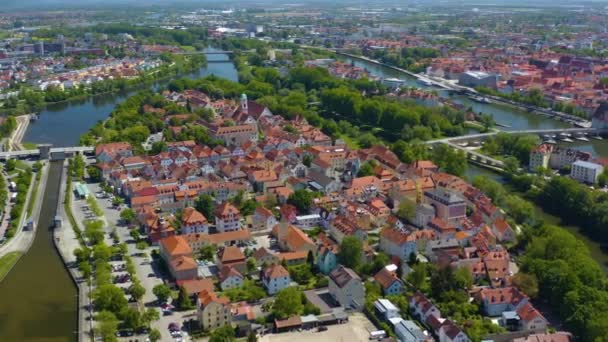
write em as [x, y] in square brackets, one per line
[355, 330]
[144, 268]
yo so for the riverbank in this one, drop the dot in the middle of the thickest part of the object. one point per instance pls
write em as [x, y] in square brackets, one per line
[23, 239]
[14, 141]
[65, 242]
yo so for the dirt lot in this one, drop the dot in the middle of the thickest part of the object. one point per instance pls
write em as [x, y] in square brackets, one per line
[356, 330]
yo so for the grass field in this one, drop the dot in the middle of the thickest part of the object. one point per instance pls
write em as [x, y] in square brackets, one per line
[7, 262]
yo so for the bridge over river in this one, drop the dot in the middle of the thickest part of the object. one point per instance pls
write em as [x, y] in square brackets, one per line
[484, 160]
[45, 151]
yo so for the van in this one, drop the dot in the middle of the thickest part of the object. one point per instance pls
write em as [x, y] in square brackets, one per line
[377, 335]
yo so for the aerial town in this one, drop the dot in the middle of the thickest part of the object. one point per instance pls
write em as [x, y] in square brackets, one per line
[304, 172]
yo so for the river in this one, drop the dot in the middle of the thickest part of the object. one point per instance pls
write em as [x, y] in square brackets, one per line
[515, 119]
[38, 297]
[62, 124]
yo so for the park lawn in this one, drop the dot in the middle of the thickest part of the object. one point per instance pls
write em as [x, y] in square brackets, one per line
[7, 262]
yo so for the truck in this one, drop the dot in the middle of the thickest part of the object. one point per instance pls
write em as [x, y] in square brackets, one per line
[377, 335]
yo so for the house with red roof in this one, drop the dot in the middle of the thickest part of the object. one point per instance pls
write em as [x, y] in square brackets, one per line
[193, 221]
[275, 278]
[227, 218]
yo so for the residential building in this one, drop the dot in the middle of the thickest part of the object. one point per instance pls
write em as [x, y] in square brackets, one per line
[227, 218]
[402, 243]
[386, 309]
[291, 238]
[408, 331]
[213, 311]
[346, 288]
[308, 221]
[177, 254]
[233, 256]
[193, 222]
[230, 278]
[263, 219]
[327, 254]
[586, 172]
[389, 281]
[275, 278]
[449, 332]
[539, 156]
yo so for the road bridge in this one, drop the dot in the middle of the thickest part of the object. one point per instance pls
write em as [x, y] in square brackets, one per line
[483, 136]
[47, 152]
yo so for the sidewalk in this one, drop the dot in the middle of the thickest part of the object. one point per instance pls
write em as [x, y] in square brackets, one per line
[65, 243]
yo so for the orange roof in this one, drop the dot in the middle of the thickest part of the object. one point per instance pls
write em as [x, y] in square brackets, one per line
[175, 245]
[183, 263]
[195, 286]
[191, 216]
[275, 271]
[225, 209]
[231, 254]
[207, 297]
[386, 278]
[228, 271]
[219, 238]
[289, 256]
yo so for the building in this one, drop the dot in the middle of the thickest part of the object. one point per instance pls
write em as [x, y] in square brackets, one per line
[389, 281]
[308, 221]
[539, 156]
[177, 254]
[233, 256]
[213, 311]
[230, 278]
[448, 206]
[327, 254]
[346, 288]
[478, 79]
[193, 222]
[227, 218]
[275, 278]
[263, 219]
[449, 332]
[408, 331]
[402, 243]
[586, 172]
[106, 152]
[291, 238]
[559, 336]
[386, 309]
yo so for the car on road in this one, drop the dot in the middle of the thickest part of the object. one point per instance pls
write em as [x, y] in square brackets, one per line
[174, 327]
[322, 328]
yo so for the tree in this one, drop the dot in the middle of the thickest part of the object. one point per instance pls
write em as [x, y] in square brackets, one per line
[94, 173]
[463, 278]
[158, 147]
[367, 169]
[137, 291]
[141, 245]
[117, 201]
[407, 210]
[301, 199]
[207, 252]
[527, 283]
[149, 316]
[154, 335]
[418, 277]
[204, 204]
[251, 265]
[128, 215]
[183, 299]
[350, 253]
[450, 160]
[107, 325]
[110, 298]
[288, 302]
[162, 292]
[223, 334]
[135, 234]
[252, 337]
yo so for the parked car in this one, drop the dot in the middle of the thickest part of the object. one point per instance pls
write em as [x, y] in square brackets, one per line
[173, 327]
[322, 328]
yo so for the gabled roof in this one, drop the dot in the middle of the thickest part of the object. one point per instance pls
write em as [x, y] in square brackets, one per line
[225, 209]
[191, 216]
[231, 254]
[275, 271]
[341, 276]
[175, 245]
[229, 271]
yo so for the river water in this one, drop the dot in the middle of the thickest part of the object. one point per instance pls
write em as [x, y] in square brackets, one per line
[515, 119]
[62, 124]
[38, 297]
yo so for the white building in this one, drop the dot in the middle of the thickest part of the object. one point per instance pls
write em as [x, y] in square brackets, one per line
[308, 221]
[347, 288]
[586, 172]
[227, 218]
[386, 309]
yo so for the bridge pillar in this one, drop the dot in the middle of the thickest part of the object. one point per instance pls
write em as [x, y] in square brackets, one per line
[45, 151]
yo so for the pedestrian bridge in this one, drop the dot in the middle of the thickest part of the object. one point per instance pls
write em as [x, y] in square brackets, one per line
[483, 136]
[47, 152]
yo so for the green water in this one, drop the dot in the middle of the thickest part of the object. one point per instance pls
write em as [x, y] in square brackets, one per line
[38, 298]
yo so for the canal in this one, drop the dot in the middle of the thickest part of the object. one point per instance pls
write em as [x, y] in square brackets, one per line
[62, 124]
[38, 298]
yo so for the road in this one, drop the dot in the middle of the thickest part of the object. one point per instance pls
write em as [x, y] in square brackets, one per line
[143, 268]
[17, 136]
[23, 239]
